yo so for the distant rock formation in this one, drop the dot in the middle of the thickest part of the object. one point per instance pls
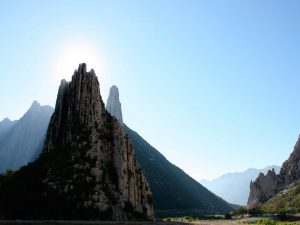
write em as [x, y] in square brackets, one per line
[266, 186]
[175, 193]
[113, 105]
[290, 170]
[87, 168]
[234, 187]
[21, 141]
[5, 126]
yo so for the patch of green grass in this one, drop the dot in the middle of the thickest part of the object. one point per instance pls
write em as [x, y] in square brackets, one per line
[192, 219]
[272, 222]
[286, 202]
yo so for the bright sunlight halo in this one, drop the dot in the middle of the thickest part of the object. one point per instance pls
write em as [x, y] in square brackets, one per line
[70, 56]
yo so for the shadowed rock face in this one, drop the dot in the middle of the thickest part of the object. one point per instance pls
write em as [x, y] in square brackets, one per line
[81, 122]
[266, 186]
[88, 167]
[234, 187]
[291, 168]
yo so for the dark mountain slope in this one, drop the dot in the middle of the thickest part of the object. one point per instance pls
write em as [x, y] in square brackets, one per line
[174, 192]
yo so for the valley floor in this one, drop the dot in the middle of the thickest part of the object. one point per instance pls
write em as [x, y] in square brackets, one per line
[257, 221]
[32, 222]
[200, 222]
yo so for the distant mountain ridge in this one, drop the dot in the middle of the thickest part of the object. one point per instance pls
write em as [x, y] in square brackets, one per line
[175, 193]
[234, 187]
[5, 125]
[21, 140]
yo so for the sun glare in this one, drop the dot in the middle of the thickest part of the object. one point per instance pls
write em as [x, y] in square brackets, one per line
[70, 56]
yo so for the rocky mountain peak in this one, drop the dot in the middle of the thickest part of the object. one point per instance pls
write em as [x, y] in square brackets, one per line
[6, 120]
[266, 186]
[5, 124]
[97, 154]
[35, 104]
[113, 105]
[21, 141]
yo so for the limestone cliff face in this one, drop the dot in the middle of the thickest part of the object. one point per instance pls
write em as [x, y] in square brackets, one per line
[290, 170]
[100, 170]
[113, 104]
[266, 186]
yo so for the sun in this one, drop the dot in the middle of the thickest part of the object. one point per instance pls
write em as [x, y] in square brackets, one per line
[70, 55]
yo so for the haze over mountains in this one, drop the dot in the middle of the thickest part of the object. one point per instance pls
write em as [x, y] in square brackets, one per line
[87, 169]
[235, 187]
[21, 141]
[174, 192]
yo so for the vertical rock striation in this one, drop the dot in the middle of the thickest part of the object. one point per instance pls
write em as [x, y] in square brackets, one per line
[100, 151]
[266, 186]
[113, 104]
[87, 169]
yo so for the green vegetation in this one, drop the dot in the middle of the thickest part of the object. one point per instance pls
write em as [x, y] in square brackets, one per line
[272, 222]
[242, 212]
[284, 203]
[9, 173]
[193, 219]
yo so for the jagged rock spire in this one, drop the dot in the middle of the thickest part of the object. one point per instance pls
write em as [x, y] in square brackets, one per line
[100, 154]
[266, 186]
[113, 105]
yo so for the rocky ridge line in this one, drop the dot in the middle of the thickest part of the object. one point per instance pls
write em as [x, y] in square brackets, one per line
[266, 186]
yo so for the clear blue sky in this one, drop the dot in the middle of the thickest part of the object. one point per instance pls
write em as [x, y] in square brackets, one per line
[213, 85]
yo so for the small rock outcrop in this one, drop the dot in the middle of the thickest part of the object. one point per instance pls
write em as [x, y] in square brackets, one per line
[88, 168]
[266, 186]
[113, 104]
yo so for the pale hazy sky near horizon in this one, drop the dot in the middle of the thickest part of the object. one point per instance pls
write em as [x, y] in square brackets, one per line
[213, 85]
